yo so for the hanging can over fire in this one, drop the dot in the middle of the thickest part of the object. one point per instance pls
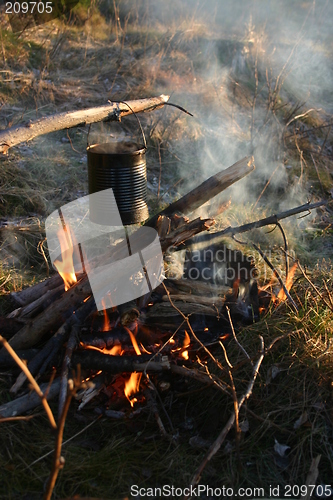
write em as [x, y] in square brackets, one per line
[122, 167]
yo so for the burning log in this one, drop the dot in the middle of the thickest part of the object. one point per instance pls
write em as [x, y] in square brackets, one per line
[198, 288]
[112, 111]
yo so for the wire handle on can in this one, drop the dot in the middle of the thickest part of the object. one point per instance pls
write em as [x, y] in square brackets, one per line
[137, 118]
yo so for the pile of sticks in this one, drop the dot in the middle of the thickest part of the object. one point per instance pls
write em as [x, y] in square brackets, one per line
[44, 315]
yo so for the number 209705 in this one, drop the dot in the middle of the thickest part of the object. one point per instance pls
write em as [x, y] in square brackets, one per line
[28, 7]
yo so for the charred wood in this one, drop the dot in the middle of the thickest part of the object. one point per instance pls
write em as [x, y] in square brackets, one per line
[196, 299]
[6, 359]
[94, 360]
[105, 340]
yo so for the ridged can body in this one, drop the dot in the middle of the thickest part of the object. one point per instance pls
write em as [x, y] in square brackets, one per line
[122, 167]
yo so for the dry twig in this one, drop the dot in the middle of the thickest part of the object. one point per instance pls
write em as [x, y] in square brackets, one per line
[31, 379]
[221, 437]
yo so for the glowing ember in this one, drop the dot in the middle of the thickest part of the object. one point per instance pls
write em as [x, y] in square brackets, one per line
[185, 354]
[66, 267]
[289, 283]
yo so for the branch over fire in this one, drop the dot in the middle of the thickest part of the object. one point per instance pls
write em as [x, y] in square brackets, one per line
[113, 111]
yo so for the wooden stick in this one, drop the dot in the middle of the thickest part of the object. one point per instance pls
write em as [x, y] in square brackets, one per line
[29, 401]
[112, 111]
[196, 299]
[96, 360]
[71, 346]
[49, 352]
[186, 231]
[221, 437]
[207, 190]
[59, 461]
[209, 239]
[53, 317]
[38, 305]
[31, 379]
[34, 292]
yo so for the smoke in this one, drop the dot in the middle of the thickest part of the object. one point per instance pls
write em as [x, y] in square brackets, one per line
[249, 64]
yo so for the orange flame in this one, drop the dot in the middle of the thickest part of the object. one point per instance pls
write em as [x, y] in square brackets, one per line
[133, 340]
[185, 354]
[66, 267]
[187, 340]
[289, 283]
[106, 324]
[132, 386]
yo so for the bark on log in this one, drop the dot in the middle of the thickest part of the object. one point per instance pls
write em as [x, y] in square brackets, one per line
[52, 318]
[9, 326]
[207, 190]
[196, 299]
[34, 292]
[71, 346]
[38, 305]
[29, 401]
[112, 111]
[164, 310]
[46, 356]
[197, 287]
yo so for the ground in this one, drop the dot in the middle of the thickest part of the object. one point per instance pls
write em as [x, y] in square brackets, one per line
[257, 76]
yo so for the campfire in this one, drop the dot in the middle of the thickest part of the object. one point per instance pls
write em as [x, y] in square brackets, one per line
[208, 290]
